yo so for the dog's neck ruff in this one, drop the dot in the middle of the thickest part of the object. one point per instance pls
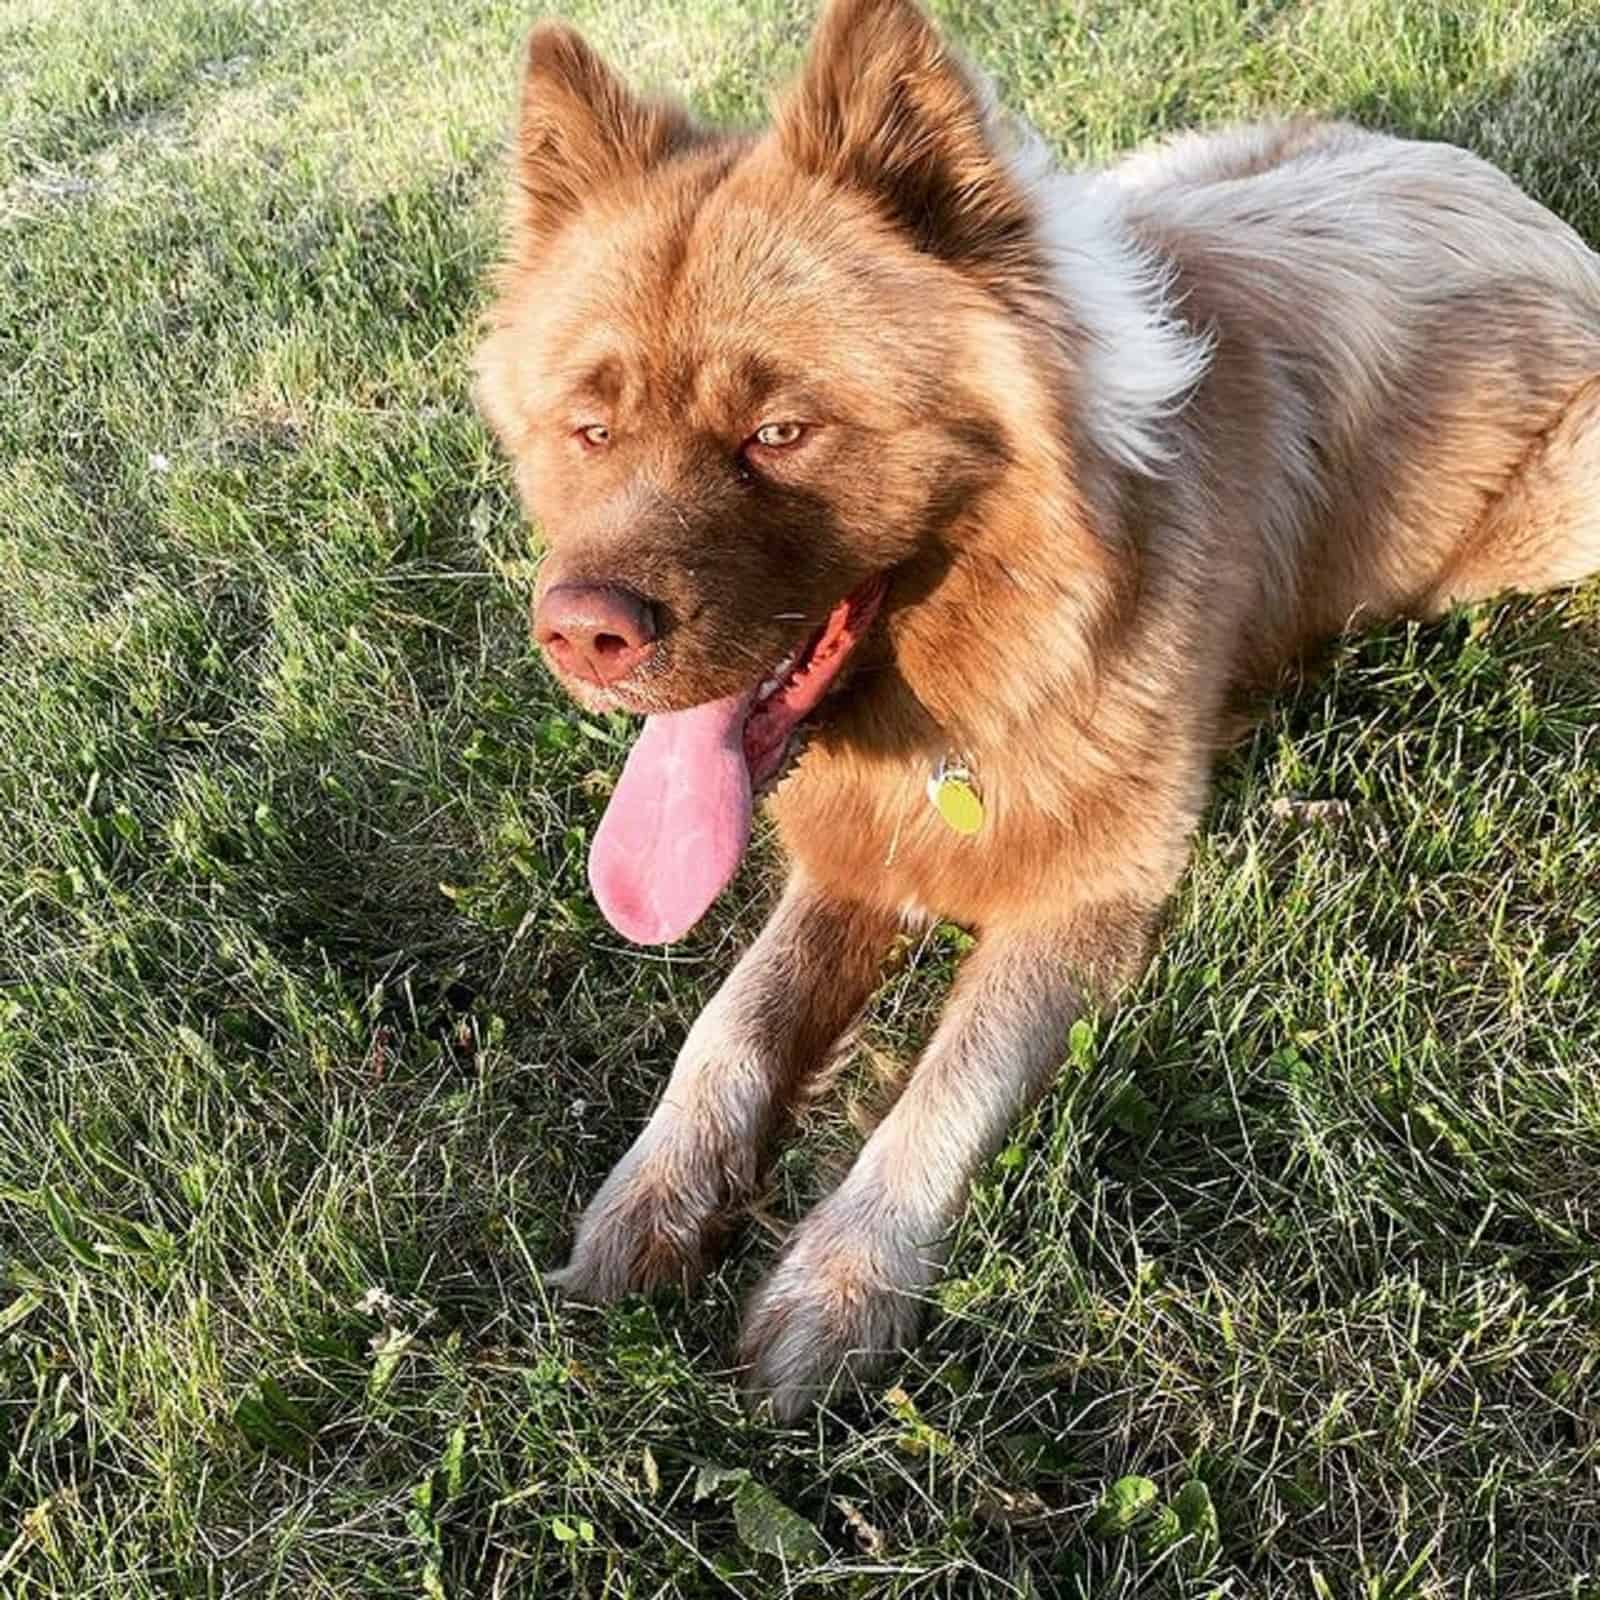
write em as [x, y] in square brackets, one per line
[1140, 361]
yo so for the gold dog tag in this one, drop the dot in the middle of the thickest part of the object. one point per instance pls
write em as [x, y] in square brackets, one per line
[954, 795]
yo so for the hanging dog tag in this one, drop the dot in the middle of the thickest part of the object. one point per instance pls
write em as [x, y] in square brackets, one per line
[953, 793]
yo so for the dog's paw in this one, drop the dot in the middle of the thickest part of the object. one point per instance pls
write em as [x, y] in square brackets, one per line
[646, 1230]
[836, 1306]
[636, 1239]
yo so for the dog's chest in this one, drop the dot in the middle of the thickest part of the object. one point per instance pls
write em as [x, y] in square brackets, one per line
[1052, 831]
[877, 831]
[884, 843]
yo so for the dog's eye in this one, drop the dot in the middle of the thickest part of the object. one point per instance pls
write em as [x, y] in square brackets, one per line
[596, 436]
[779, 435]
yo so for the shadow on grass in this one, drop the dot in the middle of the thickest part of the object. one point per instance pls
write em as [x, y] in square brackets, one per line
[1540, 124]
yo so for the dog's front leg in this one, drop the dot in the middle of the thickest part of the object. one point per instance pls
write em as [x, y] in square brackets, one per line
[848, 1289]
[777, 1019]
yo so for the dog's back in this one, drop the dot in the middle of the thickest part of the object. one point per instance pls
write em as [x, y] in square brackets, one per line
[1410, 337]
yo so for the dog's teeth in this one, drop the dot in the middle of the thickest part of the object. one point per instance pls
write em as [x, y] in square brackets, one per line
[796, 747]
[770, 686]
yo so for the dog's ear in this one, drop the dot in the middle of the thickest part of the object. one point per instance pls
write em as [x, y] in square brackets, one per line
[883, 106]
[581, 128]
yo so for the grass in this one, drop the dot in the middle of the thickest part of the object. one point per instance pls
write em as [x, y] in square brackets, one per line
[311, 1042]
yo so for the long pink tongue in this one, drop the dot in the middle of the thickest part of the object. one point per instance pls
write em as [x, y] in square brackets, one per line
[677, 824]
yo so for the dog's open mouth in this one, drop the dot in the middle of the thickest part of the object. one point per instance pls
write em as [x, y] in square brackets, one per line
[680, 817]
[797, 686]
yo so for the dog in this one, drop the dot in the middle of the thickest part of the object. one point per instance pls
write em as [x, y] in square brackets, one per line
[954, 503]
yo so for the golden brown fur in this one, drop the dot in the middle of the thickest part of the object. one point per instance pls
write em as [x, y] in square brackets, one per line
[1126, 444]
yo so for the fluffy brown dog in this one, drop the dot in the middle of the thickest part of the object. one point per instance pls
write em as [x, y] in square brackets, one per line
[1004, 483]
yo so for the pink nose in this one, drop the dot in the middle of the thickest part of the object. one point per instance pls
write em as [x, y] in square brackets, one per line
[594, 631]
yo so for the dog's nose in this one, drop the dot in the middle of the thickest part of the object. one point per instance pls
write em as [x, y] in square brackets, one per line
[595, 631]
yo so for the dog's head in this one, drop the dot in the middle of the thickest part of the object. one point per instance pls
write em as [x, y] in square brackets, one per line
[748, 381]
